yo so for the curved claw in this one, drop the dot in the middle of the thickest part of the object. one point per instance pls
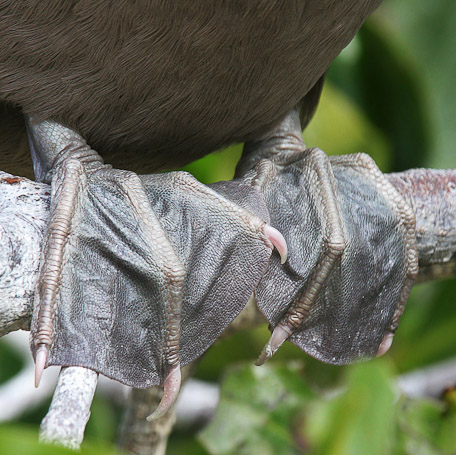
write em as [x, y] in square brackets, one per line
[277, 239]
[41, 357]
[171, 391]
[279, 335]
[385, 344]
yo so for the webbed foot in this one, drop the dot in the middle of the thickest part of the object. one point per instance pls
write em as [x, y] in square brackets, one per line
[352, 255]
[117, 278]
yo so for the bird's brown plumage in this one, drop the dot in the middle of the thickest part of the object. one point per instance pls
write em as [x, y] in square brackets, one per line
[156, 84]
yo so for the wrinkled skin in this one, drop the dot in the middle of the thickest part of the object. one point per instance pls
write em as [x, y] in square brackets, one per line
[111, 309]
[364, 292]
[110, 295]
[153, 86]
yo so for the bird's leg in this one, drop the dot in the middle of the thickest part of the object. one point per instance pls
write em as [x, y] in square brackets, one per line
[283, 146]
[112, 278]
[325, 294]
[334, 246]
[67, 162]
[58, 154]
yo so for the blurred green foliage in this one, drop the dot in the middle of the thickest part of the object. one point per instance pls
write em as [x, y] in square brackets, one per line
[257, 410]
[22, 439]
[391, 94]
[273, 411]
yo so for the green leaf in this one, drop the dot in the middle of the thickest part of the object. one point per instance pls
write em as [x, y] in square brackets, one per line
[419, 421]
[257, 411]
[385, 82]
[360, 420]
[217, 166]
[427, 427]
[447, 433]
[10, 360]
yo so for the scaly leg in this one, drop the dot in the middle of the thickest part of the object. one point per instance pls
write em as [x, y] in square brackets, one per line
[352, 257]
[111, 282]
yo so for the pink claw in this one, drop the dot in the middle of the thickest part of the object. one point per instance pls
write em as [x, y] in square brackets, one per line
[385, 344]
[171, 391]
[279, 335]
[277, 239]
[40, 363]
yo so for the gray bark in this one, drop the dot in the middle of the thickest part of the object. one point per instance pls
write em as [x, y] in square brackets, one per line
[69, 412]
[432, 195]
[24, 210]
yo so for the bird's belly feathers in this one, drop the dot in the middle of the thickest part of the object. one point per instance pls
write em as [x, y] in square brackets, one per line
[153, 86]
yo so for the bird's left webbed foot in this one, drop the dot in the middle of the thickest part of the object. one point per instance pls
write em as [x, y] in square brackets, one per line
[352, 255]
[139, 274]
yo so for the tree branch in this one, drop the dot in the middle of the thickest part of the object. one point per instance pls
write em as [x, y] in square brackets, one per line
[432, 195]
[24, 210]
[69, 412]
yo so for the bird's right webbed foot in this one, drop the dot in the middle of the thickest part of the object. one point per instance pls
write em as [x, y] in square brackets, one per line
[352, 256]
[139, 274]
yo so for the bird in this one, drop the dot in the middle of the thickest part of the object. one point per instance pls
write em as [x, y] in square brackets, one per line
[148, 86]
[170, 81]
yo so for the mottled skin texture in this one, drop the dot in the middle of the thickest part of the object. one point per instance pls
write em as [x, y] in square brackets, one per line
[155, 84]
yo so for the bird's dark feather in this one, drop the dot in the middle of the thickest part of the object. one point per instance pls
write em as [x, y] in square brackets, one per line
[156, 84]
